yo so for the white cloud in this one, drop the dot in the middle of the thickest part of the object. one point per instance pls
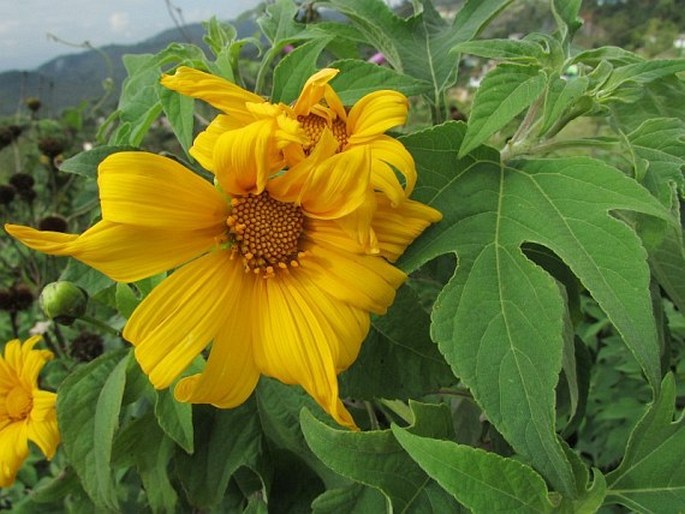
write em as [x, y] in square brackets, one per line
[119, 22]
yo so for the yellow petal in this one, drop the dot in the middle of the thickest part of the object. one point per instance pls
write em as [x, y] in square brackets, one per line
[357, 224]
[331, 189]
[397, 227]
[298, 342]
[181, 316]
[345, 324]
[21, 362]
[220, 93]
[139, 188]
[203, 146]
[14, 449]
[231, 374]
[386, 151]
[313, 91]
[42, 426]
[374, 114]
[122, 252]
[364, 281]
[244, 158]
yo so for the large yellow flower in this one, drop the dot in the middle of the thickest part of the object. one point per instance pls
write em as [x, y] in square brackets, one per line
[258, 137]
[26, 412]
[270, 271]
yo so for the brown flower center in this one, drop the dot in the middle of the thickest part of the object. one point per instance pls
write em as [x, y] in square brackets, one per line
[266, 232]
[18, 403]
[313, 126]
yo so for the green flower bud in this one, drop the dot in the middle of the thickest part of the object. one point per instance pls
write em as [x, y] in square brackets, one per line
[63, 302]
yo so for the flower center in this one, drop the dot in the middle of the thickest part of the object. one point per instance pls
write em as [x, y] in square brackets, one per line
[266, 232]
[18, 403]
[313, 126]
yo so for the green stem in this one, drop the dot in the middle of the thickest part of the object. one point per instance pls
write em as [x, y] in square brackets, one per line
[100, 324]
[375, 425]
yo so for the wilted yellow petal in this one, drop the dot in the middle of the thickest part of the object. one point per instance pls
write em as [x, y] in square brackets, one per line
[203, 146]
[245, 158]
[386, 152]
[397, 227]
[330, 189]
[376, 113]
[313, 91]
[220, 93]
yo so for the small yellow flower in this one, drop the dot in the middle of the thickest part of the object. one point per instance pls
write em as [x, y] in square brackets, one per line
[26, 412]
[257, 138]
[273, 263]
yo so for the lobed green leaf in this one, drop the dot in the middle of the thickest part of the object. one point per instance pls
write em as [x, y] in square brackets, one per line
[498, 322]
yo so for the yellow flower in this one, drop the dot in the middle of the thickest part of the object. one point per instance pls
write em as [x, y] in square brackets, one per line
[270, 269]
[26, 412]
[258, 138]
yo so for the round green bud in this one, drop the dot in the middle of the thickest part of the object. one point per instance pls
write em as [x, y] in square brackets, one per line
[63, 302]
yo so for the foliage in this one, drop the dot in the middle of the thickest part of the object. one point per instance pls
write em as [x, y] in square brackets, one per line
[534, 361]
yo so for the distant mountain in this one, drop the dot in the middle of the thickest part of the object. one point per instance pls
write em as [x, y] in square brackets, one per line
[69, 79]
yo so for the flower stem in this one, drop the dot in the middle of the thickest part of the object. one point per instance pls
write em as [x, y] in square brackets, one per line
[100, 324]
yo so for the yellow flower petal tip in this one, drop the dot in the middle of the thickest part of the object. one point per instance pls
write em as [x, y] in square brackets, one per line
[26, 412]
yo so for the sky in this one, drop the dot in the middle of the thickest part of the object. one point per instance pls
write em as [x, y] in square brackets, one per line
[25, 25]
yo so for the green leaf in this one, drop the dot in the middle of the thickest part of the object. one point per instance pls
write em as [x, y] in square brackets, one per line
[498, 322]
[612, 54]
[359, 78]
[179, 113]
[504, 93]
[91, 280]
[279, 408]
[374, 459]
[224, 441]
[419, 46]
[642, 73]
[278, 21]
[88, 405]
[660, 99]
[139, 103]
[476, 478]
[126, 299]
[143, 444]
[353, 499]
[566, 14]
[86, 163]
[294, 70]
[661, 142]
[218, 35]
[175, 419]
[560, 96]
[398, 360]
[502, 49]
[667, 262]
[651, 477]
